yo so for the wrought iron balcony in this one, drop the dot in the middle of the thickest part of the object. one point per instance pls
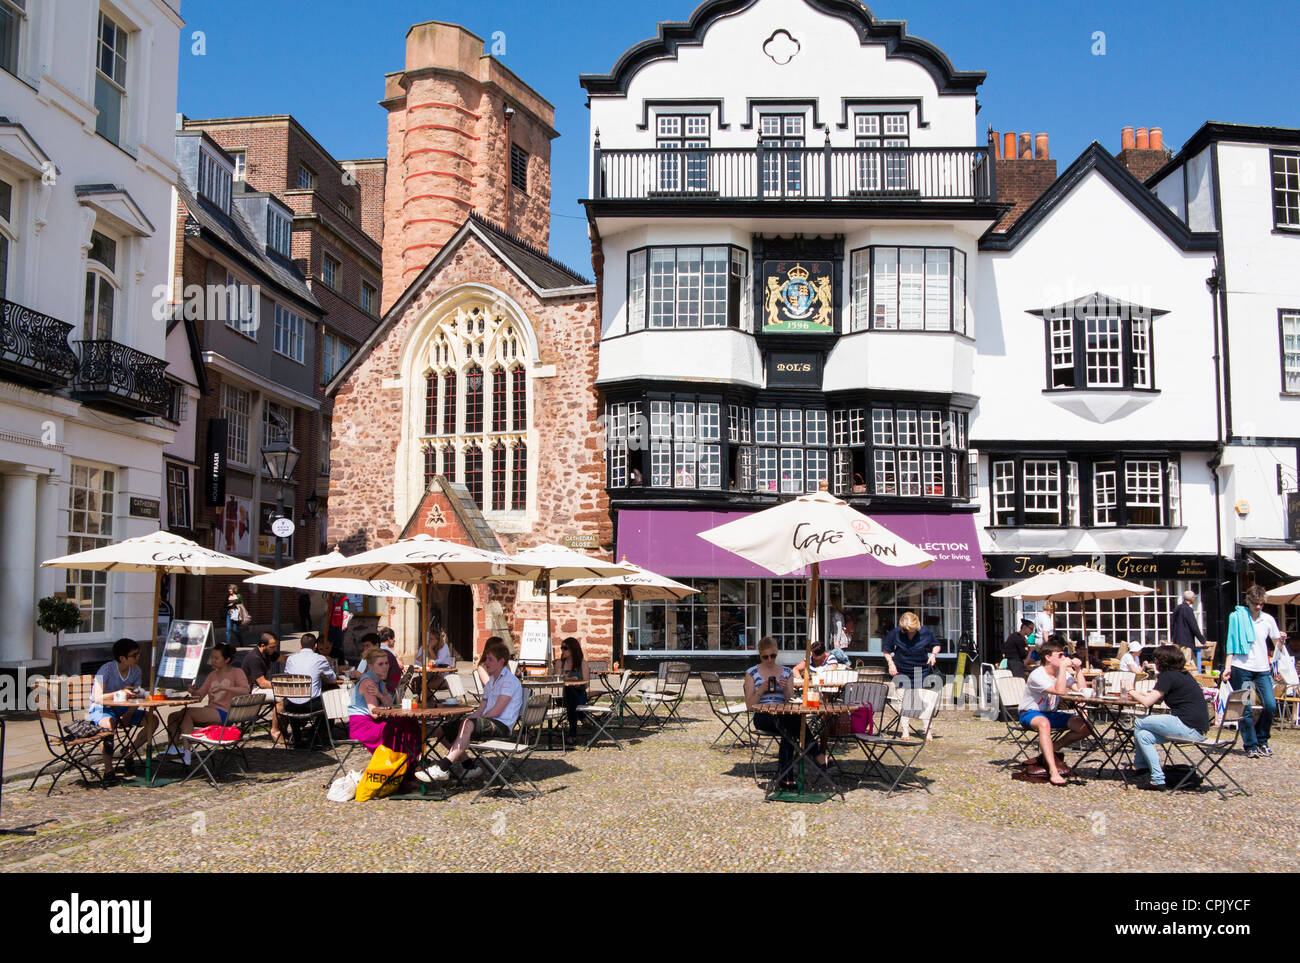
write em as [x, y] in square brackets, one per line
[34, 347]
[772, 175]
[121, 380]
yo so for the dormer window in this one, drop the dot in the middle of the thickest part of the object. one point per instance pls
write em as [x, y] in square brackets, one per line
[214, 180]
[1099, 342]
[278, 231]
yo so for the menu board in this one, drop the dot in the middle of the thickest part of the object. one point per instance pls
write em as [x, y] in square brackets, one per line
[532, 644]
[182, 653]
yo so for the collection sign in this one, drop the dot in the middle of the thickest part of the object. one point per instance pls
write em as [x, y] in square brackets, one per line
[798, 297]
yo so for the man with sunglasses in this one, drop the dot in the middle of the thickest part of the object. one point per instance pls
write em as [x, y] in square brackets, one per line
[1248, 663]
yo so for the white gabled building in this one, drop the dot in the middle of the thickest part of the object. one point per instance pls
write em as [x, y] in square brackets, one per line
[1096, 420]
[815, 269]
[1242, 183]
[86, 173]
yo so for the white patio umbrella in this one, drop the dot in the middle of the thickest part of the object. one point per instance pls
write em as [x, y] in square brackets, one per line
[639, 585]
[1288, 594]
[803, 533]
[1075, 584]
[1079, 583]
[424, 560]
[545, 562]
[809, 530]
[299, 576]
[162, 553]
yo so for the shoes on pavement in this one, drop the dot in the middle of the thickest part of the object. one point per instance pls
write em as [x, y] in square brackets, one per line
[1154, 787]
[434, 773]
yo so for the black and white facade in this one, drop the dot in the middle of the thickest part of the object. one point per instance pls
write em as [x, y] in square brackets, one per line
[790, 246]
[803, 284]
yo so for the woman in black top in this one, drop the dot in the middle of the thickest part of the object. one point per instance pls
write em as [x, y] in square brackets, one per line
[1016, 648]
[1187, 718]
[575, 669]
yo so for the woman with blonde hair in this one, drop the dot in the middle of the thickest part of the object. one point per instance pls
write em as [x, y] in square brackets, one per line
[770, 683]
[912, 654]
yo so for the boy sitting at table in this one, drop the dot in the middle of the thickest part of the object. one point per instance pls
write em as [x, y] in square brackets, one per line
[120, 675]
[1038, 711]
[1187, 717]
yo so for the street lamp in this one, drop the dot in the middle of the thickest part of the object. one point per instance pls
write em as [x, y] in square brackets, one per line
[281, 460]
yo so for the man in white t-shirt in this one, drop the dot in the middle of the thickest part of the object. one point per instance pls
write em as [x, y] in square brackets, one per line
[1038, 709]
[1248, 664]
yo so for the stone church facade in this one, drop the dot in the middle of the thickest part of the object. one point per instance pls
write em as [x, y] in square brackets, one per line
[471, 414]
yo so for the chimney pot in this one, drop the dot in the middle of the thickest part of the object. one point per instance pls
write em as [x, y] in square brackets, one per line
[1027, 146]
[1143, 139]
[1157, 139]
[1040, 147]
[1009, 146]
[1126, 139]
[995, 141]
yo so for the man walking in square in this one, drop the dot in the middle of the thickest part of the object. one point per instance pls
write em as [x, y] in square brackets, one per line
[1184, 630]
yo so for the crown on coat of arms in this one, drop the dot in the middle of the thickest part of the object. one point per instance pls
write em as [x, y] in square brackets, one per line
[798, 273]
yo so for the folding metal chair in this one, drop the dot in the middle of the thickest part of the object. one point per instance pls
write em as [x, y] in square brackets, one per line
[288, 687]
[1010, 691]
[734, 716]
[915, 704]
[669, 696]
[1211, 753]
[242, 715]
[553, 688]
[603, 713]
[81, 754]
[505, 758]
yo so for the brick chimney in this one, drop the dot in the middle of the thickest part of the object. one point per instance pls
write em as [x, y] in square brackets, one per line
[454, 114]
[1143, 151]
[1025, 170]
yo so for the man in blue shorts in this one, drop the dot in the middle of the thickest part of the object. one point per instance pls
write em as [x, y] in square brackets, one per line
[1038, 709]
[120, 675]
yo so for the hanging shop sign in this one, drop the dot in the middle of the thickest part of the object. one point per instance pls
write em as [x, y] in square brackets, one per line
[1135, 568]
[794, 369]
[1293, 516]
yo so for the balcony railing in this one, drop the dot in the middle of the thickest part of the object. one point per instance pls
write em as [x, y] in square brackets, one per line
[120, 379]
[34, 347]
[898, 174]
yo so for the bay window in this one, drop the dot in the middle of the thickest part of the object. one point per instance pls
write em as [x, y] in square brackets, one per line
[908, 289]
[1099, 342]
[685, 287]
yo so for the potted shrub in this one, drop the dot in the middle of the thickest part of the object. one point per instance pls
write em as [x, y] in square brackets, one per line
[56, 615]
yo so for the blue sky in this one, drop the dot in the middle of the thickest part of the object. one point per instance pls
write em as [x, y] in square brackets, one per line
[1167, 64]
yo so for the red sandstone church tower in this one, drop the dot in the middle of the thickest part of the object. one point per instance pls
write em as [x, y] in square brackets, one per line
[471, 412]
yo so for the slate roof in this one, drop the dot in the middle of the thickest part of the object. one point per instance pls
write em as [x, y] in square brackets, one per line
[232, 231]
[544, 271]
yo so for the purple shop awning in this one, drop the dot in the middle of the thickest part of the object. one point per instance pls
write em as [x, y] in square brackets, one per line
[667, 541]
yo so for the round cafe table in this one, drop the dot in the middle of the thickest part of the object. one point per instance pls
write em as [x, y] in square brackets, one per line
[813, 722]
[1115, 738]
[154, 706]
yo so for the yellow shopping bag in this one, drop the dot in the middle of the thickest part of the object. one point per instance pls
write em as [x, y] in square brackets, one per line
[383, 774]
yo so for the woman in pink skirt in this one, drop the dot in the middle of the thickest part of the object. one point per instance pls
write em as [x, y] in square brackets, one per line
[371, 692]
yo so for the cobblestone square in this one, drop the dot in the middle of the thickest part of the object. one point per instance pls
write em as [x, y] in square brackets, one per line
[668, 802]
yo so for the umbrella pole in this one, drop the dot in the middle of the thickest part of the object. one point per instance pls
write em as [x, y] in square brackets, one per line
[154, 650]
[548, 622]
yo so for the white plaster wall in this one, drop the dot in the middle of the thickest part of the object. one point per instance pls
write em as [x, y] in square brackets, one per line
[831, 65]
[1093, 241]
[1250, 481]
[53, 99]
[1263, 275]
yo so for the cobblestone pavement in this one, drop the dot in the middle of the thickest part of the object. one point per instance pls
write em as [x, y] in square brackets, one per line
[667, 803]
